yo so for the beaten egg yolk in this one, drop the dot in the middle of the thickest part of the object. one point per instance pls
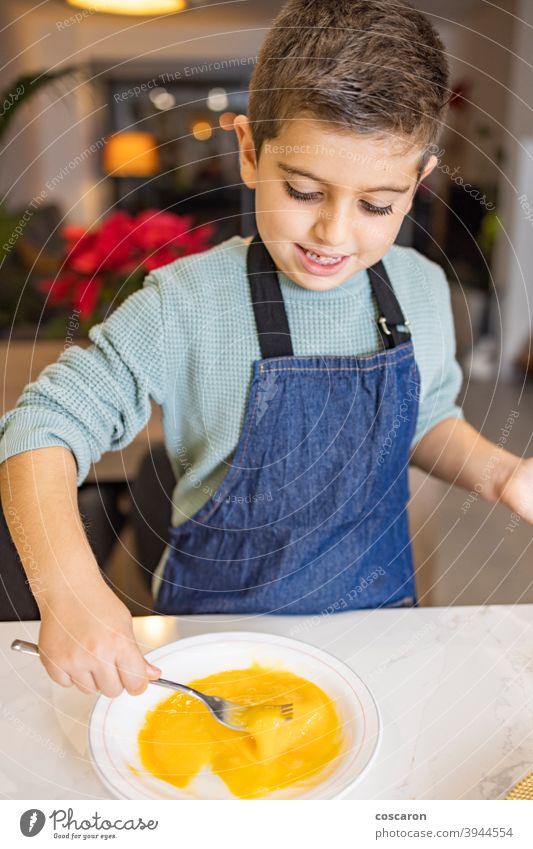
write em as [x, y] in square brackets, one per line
[180, 736]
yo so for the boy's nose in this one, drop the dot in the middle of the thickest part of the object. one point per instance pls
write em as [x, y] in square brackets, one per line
[333, 229]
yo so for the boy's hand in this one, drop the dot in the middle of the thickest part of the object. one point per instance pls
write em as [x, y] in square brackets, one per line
[517, 489]
[86, 638]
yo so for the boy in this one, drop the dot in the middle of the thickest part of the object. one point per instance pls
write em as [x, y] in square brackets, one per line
[299, 371]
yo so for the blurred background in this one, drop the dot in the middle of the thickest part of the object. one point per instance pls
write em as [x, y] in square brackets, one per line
[107, 118]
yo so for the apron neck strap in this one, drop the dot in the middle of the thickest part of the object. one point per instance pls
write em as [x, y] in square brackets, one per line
[391, 316]
[269, 309]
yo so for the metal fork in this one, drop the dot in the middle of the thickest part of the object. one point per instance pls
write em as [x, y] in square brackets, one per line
[227, 713]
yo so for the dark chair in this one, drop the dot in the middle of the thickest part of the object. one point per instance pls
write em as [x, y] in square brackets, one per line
[98, 506]
[150, 516]
[151, 508]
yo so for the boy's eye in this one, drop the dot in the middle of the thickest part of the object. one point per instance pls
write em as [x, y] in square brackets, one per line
[376, 210]
[305, 196]
[308, 196]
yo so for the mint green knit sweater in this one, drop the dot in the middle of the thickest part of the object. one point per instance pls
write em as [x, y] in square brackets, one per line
[187, 339]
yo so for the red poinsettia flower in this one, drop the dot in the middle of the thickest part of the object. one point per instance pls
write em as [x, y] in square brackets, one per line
[115, 243]
[163, 256]
[121, 246]
[155, 228]
[83, 256]
[168, 243]
[197, 240]
[73, 232]
[87, 294]
[59, 289]
[110, 247]
[82, 293]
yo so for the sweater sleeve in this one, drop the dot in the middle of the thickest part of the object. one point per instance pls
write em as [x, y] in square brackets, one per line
[441, 375]
[95, 399]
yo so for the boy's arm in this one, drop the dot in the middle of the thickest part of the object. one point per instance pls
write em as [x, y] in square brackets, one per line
[86, 634]
[455, 452]
[89, 401]
[95, 399]
[444, 444]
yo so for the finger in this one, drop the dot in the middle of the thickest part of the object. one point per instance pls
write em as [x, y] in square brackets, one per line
[64, 679]
[132, 668]
[108, 680]
[58, 675]
[53, 669]
[153, 671]
[85, 682]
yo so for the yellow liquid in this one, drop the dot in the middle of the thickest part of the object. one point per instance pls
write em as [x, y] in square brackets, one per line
[180, 736]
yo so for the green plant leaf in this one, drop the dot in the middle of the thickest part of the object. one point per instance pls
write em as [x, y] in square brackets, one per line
[23, 88]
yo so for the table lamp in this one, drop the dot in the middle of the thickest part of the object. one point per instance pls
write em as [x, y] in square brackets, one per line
[130, 154]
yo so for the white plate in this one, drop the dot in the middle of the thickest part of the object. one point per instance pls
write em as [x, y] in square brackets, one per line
[115, 723]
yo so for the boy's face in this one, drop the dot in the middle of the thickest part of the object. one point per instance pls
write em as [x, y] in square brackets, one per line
[326, 202]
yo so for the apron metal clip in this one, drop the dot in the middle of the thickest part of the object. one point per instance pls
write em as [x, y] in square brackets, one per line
[383, 321]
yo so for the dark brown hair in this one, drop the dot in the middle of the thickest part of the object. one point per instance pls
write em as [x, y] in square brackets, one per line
[366, 66]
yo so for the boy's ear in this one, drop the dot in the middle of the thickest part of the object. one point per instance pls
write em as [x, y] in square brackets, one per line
[430, 165]
[247, 157]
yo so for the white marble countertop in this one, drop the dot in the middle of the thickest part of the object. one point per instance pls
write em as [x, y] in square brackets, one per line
[454, 687]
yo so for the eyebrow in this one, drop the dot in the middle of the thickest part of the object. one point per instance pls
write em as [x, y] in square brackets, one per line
[301, 173]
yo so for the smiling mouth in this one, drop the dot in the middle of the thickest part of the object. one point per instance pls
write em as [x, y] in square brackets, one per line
[323, 259]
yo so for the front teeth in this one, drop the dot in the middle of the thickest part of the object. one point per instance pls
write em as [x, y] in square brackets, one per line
[323, 260]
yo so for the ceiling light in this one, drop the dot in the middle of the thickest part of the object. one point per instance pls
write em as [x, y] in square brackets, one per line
[131, 7]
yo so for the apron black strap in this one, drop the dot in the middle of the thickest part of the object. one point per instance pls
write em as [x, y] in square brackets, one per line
[271, 317]
[269, 309]
[391, 315]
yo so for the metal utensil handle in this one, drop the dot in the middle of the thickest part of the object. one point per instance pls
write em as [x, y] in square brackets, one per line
[33, 648]
[25, 647]
[163, 682]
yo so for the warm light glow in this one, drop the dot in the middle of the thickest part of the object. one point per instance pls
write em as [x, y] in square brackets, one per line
[162, 99]
[131, 7]
[131, 155]
[217, 99]
[156, 630]
[226, 120]
[201, 130]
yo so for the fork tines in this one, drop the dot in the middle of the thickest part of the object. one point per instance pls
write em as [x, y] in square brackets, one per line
[286, 711]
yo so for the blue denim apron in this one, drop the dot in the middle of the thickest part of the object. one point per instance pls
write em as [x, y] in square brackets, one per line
[312, 514]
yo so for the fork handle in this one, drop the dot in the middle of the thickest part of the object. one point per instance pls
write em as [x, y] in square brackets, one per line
[25, 647]
[32, 648]
[164, 682]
